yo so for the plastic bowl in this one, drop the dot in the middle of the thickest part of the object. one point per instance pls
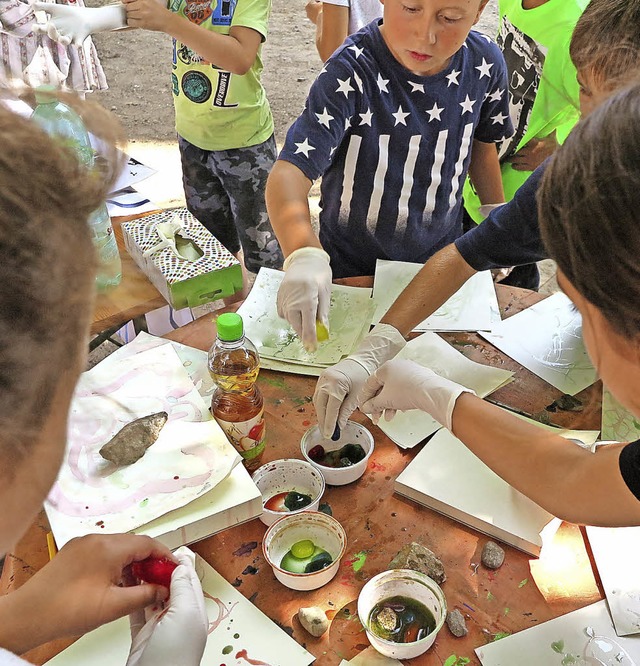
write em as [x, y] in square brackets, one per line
[325, 532]
[353, 433]
[403, 583]
[283, 476]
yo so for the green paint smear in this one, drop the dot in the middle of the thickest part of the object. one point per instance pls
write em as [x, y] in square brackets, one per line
[277, 382]
[144, 503]
[360, 559]
[506, 610]
[522, 583]
[490, 596]
[499, 635]
[227, 649]
[454, 660]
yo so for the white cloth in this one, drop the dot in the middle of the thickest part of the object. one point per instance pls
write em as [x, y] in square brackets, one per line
[10, 659]
[361, 12]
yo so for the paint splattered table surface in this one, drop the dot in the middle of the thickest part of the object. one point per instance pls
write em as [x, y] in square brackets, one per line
[523, 592]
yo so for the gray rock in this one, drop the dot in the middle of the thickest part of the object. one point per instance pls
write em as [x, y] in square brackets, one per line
[456, 623]
[492, 555]
[314, 620]
[129, 444]
[417, 557]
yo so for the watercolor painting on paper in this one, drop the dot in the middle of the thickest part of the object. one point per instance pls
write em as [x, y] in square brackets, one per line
[190, 457]
[239, 633]
[618, 423]
[474, 307]
[349, 317]
[547, 339]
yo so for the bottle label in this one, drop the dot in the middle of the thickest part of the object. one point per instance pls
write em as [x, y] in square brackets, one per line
[247, 437]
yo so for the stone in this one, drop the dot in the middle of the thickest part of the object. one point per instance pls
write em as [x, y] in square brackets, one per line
[456, 623]
[415, 556]
[314, 620]
[129, 444]
[492, 555]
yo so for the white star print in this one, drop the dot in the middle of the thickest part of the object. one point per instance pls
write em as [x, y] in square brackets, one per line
[467, 105]
[499, 118]
[453, 77]
[496, 95]
[485, 68]
[304, 147]
[345, 86]
[323, 70]
[358, 51]
[333, 150]
[382, 83]
[347, 124]
[400, 116]
[324, 118]
[434, 113]
[416, 87]
[358, 81]
[365, 118]
[486, 37]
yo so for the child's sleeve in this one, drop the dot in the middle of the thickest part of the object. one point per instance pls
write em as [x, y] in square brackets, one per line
[252, 14]
[16, 18]
[315, 136]
[495, 120]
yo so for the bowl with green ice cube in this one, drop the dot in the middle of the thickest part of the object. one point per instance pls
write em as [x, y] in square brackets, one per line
[305, 549]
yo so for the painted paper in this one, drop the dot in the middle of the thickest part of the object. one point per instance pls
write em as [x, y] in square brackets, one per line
[585, 637]
[615, 550]
[409, 428]
[190, 457]
[239, 633]
[547, 339]
[474, 307]
[618, 423]
[349, 315]
[371, 657]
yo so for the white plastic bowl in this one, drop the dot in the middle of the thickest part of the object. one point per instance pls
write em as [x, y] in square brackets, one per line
[353, 433]
[325, 532]
[403, 583]
[286, 475]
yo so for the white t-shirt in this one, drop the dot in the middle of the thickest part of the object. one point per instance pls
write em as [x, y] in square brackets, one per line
[361, 12]
[10, 659]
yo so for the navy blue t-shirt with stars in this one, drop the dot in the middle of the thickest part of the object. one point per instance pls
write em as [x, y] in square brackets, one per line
[393, 148]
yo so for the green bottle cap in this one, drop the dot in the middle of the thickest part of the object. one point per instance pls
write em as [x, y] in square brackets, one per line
[46, 94]
[230, 327]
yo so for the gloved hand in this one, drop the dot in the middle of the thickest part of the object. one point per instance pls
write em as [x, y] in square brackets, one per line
[336, 394]
[68, 24]
[485, 209]
[400, 385]
[305, 293]
[177, 636]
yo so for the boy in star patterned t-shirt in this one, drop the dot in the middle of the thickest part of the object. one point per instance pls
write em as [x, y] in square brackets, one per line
[394, 122]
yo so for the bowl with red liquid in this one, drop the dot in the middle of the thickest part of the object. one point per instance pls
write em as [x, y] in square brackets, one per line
[342, 460]
[402, 612]
[288, 486]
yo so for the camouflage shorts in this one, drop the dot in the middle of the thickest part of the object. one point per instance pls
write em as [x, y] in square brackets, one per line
[224, 190]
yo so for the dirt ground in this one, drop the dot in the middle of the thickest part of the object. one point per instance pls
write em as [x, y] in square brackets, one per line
[138, 68]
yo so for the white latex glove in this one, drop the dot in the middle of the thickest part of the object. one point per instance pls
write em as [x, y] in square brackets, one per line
[68, 24]
[177, 636]
[305, 293]
[336, 394]
[400, 385]
[485, 209]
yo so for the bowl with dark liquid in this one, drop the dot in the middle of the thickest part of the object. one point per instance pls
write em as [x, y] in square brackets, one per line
[402, 612]
[343, 460]
[305, 549]
[288, 486]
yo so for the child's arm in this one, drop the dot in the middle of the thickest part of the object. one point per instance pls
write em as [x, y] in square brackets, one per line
[332, 26]
[484, 172]
[235, 52]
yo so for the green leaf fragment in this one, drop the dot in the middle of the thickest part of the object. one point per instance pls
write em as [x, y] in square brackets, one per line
[558, 646]
[360, 559]
[499, 635]
[450, 660]
[506, 610]
[568, 659]
[522, 583]
[490, 596]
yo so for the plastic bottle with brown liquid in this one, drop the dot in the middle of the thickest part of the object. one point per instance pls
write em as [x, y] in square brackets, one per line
[237, 403]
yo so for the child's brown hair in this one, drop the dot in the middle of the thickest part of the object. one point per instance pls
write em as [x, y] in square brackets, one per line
[47, 267]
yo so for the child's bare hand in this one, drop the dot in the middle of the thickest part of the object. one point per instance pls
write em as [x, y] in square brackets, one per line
[531, 156]
[147, 14]
[313, 8]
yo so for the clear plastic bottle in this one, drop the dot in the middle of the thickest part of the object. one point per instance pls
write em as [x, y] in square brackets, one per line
[237, 403]
[62, 122]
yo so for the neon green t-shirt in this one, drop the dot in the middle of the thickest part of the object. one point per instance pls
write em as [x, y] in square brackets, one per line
[543, 90]
[217, 110]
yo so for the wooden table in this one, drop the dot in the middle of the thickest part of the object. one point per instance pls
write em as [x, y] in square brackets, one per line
[133, 297]
[521, 593]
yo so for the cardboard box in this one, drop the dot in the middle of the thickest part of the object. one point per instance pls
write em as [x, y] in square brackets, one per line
[181, 258]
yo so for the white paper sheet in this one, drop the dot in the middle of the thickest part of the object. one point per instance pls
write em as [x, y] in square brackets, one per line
[547, 339]
[350, 313]
[190, 457]
[575, 639]
[448, 477]
[239, 632]
[129, 202]
[407, 429]
[474, 307]
[615, 550]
